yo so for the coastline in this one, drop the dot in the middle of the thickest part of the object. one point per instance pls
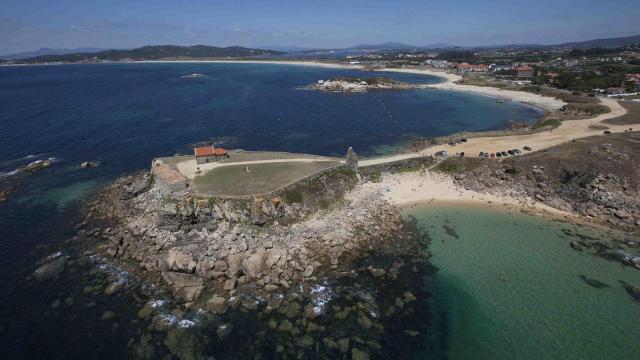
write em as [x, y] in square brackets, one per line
[409, 189]
[539, 101]
[567, 131]
[402, 195]
[429, 187]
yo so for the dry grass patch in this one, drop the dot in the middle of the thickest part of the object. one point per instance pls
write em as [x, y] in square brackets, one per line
[235, 180]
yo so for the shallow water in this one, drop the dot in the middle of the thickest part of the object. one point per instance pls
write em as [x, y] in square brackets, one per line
[510, 287]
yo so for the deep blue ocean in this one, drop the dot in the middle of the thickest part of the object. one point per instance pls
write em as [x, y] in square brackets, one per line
[123, 115]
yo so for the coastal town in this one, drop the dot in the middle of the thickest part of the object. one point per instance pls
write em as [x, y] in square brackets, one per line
[613, 71]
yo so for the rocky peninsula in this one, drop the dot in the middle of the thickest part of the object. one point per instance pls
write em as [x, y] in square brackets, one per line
[358, 85]
[326, 268]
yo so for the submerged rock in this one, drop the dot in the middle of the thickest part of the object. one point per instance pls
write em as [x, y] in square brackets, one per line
[632, 290]
[593, 282]
[113, 288]
[51, 267]
[575, 246]
[217, 305]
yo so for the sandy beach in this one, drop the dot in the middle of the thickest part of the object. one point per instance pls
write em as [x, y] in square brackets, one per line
[430, 187]
[272, 62]
[543, 102]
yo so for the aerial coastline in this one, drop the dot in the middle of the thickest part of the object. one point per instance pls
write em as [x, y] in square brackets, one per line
[294, 246]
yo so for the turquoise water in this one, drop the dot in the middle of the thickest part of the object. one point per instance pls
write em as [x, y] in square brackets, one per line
[509, 287]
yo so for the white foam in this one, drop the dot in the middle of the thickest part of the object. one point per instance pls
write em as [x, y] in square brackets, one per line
[184, 324]
[157, 303]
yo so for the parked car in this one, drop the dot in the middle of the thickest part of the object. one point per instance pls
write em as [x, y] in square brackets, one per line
[481, 155]
[462, 154]
[527, 148]
[493, 156]
[516, 151]
[441, 153]
[451, 143]
[607, 132]
[504, 153]
[463, 140]
[510, 152]
[498, 154]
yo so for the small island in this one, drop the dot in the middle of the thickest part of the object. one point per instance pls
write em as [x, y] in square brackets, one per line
[359, 85]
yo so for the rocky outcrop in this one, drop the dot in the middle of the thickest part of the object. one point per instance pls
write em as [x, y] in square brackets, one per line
[194, 246]
[352, 159]
[50, 267]
[602, 197]
[356, 85]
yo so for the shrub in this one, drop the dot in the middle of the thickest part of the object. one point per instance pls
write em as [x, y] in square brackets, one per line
[454, 165]
[293, 196]
[553, 123]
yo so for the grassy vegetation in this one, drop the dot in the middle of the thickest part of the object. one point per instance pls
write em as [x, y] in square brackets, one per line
[587, 109]
[631, 117]
[546, 123]
[578, 106]
[323, 191]
[375, 177]
[600, 76]
[454, 165]
[293, 196]
[234, 180]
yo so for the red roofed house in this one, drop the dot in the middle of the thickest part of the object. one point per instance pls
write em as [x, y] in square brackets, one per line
[524, 72]
[466, 67]
[207, 154]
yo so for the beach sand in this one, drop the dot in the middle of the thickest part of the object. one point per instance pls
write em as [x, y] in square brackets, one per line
[432, 188]
[543, 102]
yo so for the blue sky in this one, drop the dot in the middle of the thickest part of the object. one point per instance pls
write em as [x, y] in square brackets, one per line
[30, 24]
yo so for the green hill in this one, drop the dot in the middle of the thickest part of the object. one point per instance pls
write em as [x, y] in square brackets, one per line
[157, 52]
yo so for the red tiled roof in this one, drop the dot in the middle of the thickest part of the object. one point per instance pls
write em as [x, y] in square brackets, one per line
[204, 151]
[209, 151]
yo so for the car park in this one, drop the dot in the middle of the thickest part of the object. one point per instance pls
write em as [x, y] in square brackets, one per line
[527, 148]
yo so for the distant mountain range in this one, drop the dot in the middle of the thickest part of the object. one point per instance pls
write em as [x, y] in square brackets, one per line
[156, 52]
[602, 43]
[596, 43]
[47, 51]
[288, 48]
[202, 51]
